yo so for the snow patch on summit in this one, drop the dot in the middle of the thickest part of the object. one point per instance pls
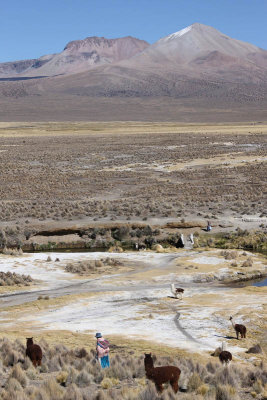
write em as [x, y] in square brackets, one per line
[178, 34]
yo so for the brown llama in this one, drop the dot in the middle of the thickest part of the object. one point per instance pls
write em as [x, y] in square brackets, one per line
[161, 375]
[34, 352]
[225, 357]
[239, 328]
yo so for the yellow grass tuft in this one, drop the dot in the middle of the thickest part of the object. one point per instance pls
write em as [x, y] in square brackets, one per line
[62, 377]
[108, 383]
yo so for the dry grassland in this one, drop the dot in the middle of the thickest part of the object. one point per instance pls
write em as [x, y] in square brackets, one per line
[8, 129]
[130, 171]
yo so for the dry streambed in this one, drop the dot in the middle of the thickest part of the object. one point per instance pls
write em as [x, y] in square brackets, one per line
[133, 300]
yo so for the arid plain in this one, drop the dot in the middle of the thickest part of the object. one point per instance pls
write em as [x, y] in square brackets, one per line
[131, 171]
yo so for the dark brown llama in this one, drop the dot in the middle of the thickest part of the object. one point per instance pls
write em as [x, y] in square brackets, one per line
[239, 328]
[225, 357]
[34, 352]
[161, 375]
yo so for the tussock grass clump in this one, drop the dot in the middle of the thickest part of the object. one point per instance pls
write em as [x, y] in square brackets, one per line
[248, 263]
[73, 393]
[13, 385]
[149, 392]
[18, 374]
[194, 382]
[12, 252]
[84, 379]
[61, 378]
[13, 279]
[229, 255]
[202, 389]
[91, 266]
[257, 386]
[108, 383]
[11, 353]
[53, 389]
[102, 395]
[31, 373]
[227, 376]
[226, 393]
[43, 297]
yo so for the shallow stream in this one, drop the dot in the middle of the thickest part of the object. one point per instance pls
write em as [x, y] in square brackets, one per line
[262, 282]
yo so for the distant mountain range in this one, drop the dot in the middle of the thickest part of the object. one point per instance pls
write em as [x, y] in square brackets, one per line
[197, 64]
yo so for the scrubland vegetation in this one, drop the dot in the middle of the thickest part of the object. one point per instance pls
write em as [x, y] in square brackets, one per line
[48, 182]
[130, 176]
[241, 239]
[75, 374]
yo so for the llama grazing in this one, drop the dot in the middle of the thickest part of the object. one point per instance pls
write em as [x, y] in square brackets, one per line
[177, 292]
[239, 328]
[161, 375]
[34, 352]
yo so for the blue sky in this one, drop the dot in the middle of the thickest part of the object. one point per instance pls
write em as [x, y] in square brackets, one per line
[31, 28]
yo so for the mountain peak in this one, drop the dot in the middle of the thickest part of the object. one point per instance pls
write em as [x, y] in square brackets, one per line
[196, 27]
[102, 41]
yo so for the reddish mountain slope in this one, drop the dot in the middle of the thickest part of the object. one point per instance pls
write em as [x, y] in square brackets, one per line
[78, 56]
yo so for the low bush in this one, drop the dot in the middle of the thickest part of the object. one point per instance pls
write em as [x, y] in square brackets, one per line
[14, 279]
[86, 267]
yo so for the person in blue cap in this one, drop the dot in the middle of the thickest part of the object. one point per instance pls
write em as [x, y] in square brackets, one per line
[102, 350]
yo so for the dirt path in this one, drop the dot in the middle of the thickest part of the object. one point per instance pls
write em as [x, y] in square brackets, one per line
[182, 330]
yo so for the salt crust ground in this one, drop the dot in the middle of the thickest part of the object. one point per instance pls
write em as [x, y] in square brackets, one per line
[141, 307]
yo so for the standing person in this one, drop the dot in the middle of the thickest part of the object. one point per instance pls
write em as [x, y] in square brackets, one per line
[208, 227]
[102, 350]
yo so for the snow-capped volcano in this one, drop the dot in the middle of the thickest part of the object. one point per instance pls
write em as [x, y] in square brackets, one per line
[196, 65]
[201, 44]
